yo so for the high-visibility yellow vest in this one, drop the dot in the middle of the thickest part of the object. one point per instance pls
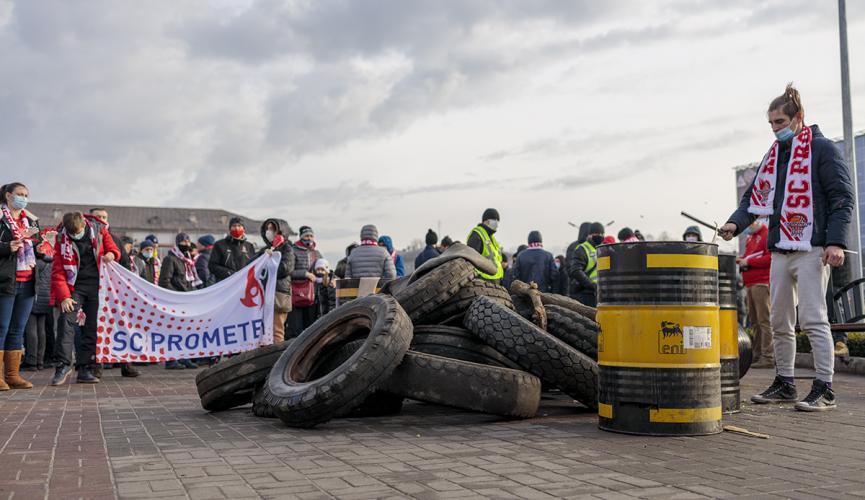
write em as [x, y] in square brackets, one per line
[491, 251]
[592, 261]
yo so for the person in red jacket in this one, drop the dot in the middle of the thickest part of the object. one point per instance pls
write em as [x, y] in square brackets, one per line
[81, 244]
[754, 265]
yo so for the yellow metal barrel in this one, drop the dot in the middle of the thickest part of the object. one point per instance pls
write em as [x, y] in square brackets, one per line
[727, 278]
[659, 340]
[350, 289]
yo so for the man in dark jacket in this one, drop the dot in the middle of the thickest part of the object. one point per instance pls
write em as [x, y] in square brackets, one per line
[574, 285]
[275, 241]
[430, 251]
[232, 253]
[804, 186]
[202, 260]
[583, 266]
[534, 264]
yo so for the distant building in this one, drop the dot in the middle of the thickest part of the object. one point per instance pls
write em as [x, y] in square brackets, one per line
[746, 173]
[164, 222]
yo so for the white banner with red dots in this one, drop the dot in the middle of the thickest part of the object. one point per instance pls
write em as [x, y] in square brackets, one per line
[139, 321]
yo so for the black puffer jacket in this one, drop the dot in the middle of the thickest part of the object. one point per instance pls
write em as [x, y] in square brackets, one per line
[286, 261]
[8, 258]
[172, 276]
[831, 189]
[43, 286]
[229, 256]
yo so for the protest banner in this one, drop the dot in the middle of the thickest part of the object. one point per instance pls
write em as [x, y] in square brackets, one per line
[139, 321]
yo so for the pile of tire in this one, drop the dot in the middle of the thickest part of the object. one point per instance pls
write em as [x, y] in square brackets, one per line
[441, 336]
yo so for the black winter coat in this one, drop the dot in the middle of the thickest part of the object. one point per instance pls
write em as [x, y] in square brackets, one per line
[430, 252]
[146, 269]
[8, 258]
[172, 276]
[831, 189]
[202, 264]
[581, 283]
[43, 286]
[538, 265]
[229, 256]
[286, 260]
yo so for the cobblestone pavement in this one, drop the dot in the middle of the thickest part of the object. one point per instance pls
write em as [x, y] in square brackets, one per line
[148, 438]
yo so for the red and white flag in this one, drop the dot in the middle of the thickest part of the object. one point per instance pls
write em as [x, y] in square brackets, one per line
[139, 321]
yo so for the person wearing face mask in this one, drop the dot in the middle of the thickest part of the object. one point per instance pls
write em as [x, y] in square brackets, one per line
[573, 285]
[483, 240]
[145, 262]
[325, 293]
[754, 265]
[82, 243]
[370, 260]
[232, 253]
[274, 241]
[19, 241]
[583, 268]
[178, 273]
[692, 234]
[804, 187]
[303, 310]
[202, 260]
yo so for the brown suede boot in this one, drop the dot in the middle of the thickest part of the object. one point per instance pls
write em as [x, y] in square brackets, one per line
[12, 359]
[3, 386]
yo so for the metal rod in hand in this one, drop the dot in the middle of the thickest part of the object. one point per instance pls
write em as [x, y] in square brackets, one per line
[713, 227]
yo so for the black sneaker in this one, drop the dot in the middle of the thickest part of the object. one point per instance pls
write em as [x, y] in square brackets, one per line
[821, 398]
[779, 392]
[85, 376]
[61, 374]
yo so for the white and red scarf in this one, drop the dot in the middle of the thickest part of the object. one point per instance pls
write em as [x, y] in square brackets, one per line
[188, 265]
[797, 210]
[69, 255]
[536, 245]
[25, 257]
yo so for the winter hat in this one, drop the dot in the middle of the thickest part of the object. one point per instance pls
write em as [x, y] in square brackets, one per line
[490, 213]
[153, 238]
[321, 264]
[535, 237]
[693, 230]
[625, 233]
[596, 228]
[306, 230]
[447, 241]
[207, 240]
[609, 240]
[146, 244]
[236, 220]
[180, 238]
[369, 232]
[431, 237]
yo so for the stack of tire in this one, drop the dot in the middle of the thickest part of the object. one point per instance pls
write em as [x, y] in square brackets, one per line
[440, 336]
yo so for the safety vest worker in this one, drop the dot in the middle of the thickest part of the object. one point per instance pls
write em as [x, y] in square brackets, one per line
[583, 269]
[483, 240]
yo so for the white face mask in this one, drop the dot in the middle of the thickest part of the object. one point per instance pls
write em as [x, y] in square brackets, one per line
[492, 224]
[269, 235]
[691, 238]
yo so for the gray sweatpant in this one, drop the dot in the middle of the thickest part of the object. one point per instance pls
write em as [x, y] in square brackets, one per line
[801, 278]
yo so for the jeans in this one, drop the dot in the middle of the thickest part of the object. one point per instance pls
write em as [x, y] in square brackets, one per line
[83, 337]
[34, 353]
[800, 278]
[14, 312]
[839, 337]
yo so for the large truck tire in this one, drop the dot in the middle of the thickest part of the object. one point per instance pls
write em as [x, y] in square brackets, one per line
[536, 351]
[469, 386]
[232, 381]
[435, 288]
[456, 306]
[301, 397]
[573, 329]
[457, 343]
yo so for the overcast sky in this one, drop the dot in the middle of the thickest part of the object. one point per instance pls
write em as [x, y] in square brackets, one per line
[412, 114]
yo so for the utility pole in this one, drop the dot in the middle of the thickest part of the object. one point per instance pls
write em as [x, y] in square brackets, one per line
[855, 242]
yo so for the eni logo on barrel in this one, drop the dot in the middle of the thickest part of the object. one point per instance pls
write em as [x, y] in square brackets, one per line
[671, 340]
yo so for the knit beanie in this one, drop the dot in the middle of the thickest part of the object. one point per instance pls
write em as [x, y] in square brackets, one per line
[596, 228]
[431, 237]
[180, 238]
[207, 240]
[535, 237]
[236, 220]
[490, 213]
[321, 264]
[625, 233]
[306, 230]
[369, 232]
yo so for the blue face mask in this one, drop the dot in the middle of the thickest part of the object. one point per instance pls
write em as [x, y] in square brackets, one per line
[19, 202]
[785, 134]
